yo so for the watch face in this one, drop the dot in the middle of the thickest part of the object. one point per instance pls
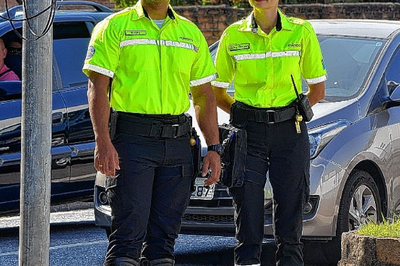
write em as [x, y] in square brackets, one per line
[216, 147]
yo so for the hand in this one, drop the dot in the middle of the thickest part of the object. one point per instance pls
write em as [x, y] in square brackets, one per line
[211, 161]
[106, 158]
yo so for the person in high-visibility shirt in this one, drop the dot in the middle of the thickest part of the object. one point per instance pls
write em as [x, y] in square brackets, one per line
[152, 58]
[260, 54]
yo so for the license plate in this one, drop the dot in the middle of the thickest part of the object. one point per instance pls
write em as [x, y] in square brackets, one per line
[201, 192]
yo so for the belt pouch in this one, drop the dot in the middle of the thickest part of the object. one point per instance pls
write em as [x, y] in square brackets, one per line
[113, 123]
[233, 155]
[238, 116]
[196, 155]
[304, 107]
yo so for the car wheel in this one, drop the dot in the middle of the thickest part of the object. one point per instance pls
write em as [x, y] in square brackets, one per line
[360, 204]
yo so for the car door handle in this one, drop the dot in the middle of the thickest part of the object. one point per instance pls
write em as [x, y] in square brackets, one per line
[58, 118]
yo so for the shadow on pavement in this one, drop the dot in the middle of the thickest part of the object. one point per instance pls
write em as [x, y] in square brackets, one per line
[224, 256]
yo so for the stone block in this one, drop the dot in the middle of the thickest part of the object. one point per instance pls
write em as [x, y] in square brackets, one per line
[359, 250]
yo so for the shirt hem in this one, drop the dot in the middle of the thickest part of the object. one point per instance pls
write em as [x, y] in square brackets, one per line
[204, 80]
[98, 69]
[316, 80]
[220, 84]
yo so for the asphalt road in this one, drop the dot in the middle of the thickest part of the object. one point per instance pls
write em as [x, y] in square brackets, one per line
[75, 241]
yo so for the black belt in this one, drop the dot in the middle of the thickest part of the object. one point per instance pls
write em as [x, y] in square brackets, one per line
[157, 126]
[265, 115]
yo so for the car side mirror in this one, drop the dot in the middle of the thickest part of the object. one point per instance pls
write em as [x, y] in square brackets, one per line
[395, 95]
[10, 90]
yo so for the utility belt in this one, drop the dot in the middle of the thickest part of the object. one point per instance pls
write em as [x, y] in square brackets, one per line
[241, 112]
[156, 126]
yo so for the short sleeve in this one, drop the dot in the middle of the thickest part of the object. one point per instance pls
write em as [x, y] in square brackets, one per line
[203, 69]
[103, 51]
[225, 64]
[312, 62]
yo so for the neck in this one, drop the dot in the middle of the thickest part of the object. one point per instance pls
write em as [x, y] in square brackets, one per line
[156, 10]
[266, 19]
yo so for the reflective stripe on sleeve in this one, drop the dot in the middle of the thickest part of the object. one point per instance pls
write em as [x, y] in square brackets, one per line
[100, 70]
[159, 42]
[266, 55]
[201, 81]
[316, 80]
[220, 84]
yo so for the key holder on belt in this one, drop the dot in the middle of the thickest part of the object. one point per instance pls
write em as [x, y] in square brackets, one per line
[303, 104]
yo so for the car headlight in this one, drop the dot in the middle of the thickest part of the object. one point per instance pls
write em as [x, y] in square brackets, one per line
[320, 136]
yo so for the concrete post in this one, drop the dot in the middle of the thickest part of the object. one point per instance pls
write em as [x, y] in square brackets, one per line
[36, 138]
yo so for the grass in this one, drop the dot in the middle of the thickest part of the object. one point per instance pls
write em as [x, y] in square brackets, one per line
[387, 228]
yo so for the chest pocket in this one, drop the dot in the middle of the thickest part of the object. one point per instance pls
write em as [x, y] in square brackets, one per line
[179, 57]
[140, 54]
[251, 69]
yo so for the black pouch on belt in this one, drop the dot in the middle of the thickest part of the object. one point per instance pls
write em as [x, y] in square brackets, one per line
[303, 104]
[304, 107]
[233, 155]
[195, 145]
[113, 123]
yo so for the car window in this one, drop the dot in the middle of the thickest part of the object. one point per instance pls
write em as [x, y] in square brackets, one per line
[347, 61]
[70, 44]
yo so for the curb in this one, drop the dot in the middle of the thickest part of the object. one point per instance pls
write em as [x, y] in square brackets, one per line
[82, 216]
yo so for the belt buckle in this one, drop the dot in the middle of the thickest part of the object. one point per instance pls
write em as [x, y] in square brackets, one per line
[169, 131]
[270, 116]
[175, 130]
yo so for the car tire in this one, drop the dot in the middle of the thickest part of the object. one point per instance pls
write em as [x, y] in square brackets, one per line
[360, 202]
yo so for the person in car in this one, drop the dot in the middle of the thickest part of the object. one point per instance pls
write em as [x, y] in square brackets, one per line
[261, 53]
[14, 55]
[151, 57]
[6, 74]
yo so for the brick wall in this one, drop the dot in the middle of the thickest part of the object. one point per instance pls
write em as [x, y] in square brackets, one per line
[212, 20]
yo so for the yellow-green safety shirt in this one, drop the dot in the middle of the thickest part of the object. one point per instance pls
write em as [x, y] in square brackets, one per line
[260, 64]
[152, 68]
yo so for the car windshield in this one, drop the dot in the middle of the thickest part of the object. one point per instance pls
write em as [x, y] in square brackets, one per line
[348, 61]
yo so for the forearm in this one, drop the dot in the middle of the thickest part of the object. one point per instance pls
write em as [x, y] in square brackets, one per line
[224, 100]
[99, 106]
[206, 113]
[316, 93]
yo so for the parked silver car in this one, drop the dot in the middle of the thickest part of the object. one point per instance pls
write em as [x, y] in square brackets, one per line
[354, 138]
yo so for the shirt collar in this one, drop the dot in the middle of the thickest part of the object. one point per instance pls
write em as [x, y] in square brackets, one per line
[250, 23]
[142, 13]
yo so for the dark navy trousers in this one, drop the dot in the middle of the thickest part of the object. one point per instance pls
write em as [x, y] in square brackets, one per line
[279, 149]
[148, 197]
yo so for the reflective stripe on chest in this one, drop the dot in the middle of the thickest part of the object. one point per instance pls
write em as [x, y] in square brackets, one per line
[168, 43]
[254, 56]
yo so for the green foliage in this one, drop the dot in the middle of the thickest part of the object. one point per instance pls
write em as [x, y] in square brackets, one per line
[124, 3]
[385, 229]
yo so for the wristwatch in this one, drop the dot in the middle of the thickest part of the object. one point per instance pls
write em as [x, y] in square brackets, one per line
[215, 147]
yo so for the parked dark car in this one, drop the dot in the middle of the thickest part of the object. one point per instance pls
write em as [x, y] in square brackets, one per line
[72, 148]
[354, 139]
